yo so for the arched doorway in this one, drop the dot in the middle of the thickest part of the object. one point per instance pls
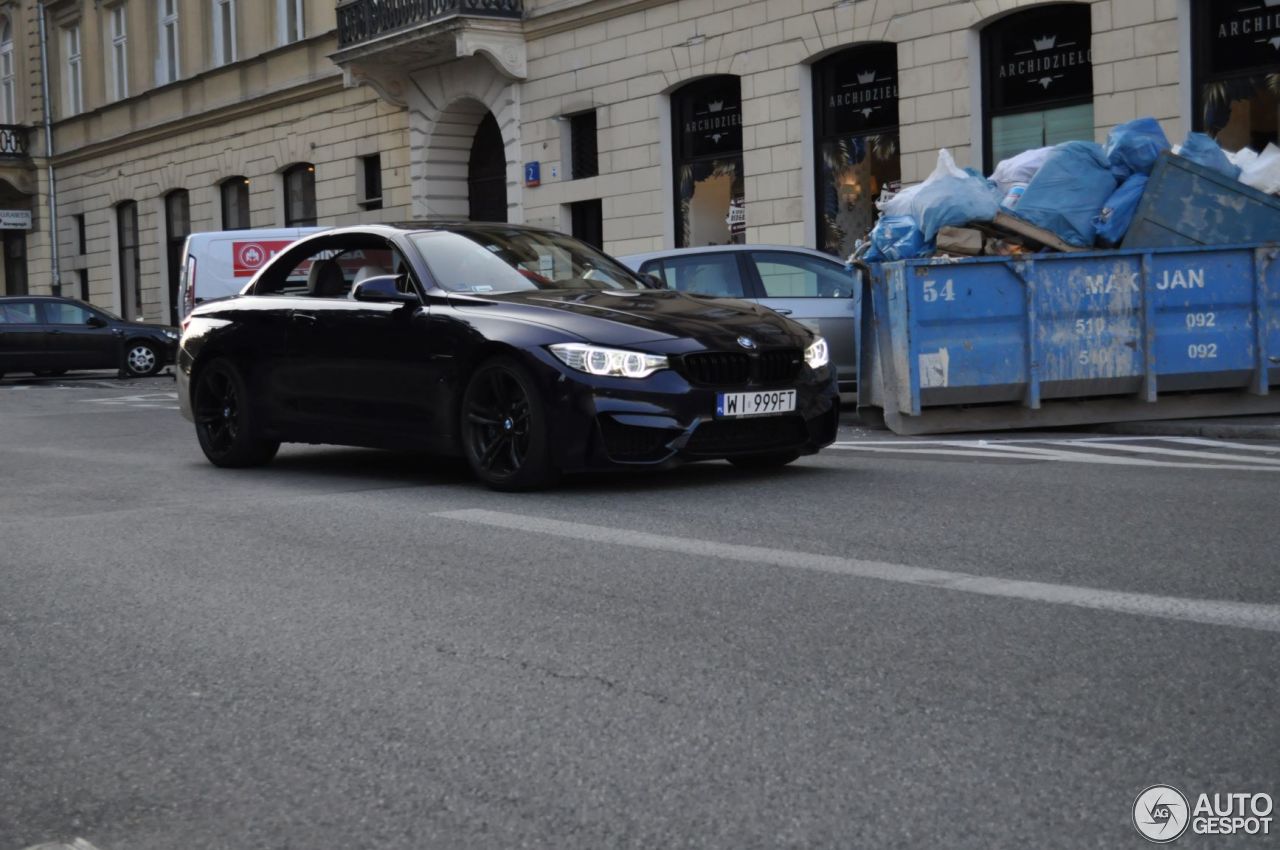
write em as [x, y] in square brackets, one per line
[487, 173]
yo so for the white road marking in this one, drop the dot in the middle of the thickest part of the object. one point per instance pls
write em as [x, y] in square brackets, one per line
[1245, 615]
[76, 844]
[1073, 450]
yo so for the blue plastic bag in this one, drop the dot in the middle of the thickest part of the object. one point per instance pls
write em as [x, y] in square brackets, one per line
[895, 237]
[951, 196]
[1203, 150]
[1068, 192]
[1117, 214]
[1132, 148]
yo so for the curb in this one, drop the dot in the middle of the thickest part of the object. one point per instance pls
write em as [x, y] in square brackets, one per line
[1222, 429]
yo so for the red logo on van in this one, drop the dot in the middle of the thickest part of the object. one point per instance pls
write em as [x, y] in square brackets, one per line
[250, 256]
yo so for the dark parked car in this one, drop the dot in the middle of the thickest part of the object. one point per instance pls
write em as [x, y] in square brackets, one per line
[50, 336]
[528, 352]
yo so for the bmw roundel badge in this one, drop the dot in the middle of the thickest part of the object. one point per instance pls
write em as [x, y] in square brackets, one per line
[747, 342]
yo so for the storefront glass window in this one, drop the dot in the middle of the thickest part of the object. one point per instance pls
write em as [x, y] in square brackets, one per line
[1037, 80]
[856, 111]
[1237, 72]
[709, 190]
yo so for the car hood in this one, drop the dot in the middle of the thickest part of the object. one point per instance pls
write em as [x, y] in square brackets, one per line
[150, 327]
[638, 317]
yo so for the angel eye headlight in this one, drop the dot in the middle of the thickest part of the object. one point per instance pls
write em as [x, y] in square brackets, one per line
[596, 360]
[817, 354]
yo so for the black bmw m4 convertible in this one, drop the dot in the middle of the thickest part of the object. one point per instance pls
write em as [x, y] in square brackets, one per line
[529, 353]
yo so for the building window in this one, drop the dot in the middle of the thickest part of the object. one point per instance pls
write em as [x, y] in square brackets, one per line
[855, 108]
[1037, 80]
[77, 222]
[224, 31]
[710, 208]
[370, 179]
[583, 160]
[177, 215]
[587, 218]
[1236, 72]
[130, 263]
[119, 57]
[83, 277]
[167, 48]
[235, 203]
[75, 80]
[289, 22]
[8, 68]
[300, 195]
[14, 244]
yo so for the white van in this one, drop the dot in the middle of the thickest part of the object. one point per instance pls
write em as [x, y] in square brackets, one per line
[219, 263]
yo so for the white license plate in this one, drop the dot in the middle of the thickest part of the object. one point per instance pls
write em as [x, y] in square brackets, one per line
[763, 403]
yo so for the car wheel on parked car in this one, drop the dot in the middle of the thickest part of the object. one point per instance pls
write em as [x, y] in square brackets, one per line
[227, 425]
[142, 360]
[504, 428]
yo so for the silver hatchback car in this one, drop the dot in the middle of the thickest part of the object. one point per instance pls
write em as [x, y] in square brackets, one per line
[808, 286]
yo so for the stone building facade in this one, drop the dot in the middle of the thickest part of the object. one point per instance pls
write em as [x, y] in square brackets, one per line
[638, 124]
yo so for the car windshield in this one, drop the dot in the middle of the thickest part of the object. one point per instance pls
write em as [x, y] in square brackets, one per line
[495, 259]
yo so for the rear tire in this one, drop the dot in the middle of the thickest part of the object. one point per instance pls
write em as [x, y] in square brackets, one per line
[504, 428]
[769, 460]
[227, 425]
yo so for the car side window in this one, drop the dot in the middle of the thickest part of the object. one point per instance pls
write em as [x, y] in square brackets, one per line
[332, 271]
[699, 274]
[58, 313]
[19, 313]
[785, 275]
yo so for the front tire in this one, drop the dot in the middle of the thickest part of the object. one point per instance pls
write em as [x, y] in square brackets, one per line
[227, 425]
[141, 359]
[504, 428]
[769, 460]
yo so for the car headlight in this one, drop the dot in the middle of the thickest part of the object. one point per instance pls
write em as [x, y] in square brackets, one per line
[817, 355]
[595, 360]
[171, 334]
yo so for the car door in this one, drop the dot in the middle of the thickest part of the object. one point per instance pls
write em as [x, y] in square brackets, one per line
[702, 273]
[79, 338]
[356, 370]
[22, 337]
[817, 292]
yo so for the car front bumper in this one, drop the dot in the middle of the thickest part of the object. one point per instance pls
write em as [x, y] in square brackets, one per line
[664, 420]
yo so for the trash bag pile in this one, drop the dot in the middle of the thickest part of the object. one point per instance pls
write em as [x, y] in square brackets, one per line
[1072, 195]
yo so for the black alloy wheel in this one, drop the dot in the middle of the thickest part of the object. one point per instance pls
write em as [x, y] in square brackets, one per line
[504, 428]
[141, 359]
[226, 423]
[767, 460]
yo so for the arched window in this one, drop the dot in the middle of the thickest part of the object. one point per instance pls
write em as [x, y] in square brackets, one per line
[1037, 69]
[710, 206]
[300, 195]
[1236, 68]
[8, 71]
[177, 216]
[130, 292]
[855, 109]
[235, 203]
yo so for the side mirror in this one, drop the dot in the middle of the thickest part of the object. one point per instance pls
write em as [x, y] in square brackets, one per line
[383, 288]
[654, 281]
[96, 322]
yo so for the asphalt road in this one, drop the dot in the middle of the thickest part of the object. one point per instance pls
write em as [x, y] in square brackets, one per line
[894, 644]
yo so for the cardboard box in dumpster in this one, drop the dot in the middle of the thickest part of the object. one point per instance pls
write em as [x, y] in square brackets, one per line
[1186, 204]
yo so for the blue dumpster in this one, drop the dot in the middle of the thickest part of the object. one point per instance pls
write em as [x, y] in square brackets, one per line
[1061, 339]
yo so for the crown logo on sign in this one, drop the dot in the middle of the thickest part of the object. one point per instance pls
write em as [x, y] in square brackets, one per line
[715, 106]
[870, 76]
[1045, 42]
